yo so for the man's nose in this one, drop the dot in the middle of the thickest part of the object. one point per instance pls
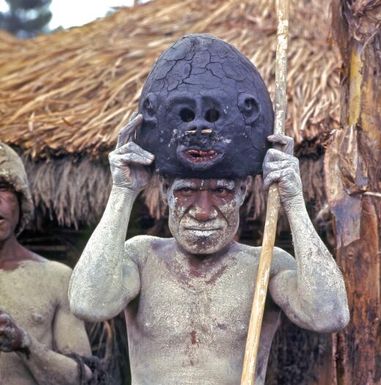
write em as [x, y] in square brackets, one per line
[203, 209]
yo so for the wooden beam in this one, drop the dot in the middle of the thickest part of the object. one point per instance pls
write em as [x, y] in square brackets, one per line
[352, 169]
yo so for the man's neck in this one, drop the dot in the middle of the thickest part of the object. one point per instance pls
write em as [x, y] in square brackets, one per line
[202, 261]
[12, 250]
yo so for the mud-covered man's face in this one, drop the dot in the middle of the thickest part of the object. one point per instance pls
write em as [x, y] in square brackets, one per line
[9, 211]
[204, 213]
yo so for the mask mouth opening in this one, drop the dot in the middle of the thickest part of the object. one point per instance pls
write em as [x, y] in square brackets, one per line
[199, 156]
[196, 158]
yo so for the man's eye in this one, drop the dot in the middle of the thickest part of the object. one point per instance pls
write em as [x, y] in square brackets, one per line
[185, 191]
[222, 191]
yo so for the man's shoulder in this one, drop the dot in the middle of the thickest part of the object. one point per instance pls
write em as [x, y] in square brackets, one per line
[247, 253]
[39, 263]
[140, 246]
[51, 276]
[144, 241]
[281, 259]
[58, 269]
[50, 270]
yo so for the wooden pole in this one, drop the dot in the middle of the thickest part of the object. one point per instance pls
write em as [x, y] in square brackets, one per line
[273, 203]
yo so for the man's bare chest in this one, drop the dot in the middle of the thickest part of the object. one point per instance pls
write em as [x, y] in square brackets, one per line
[28, 298]
[198, 309]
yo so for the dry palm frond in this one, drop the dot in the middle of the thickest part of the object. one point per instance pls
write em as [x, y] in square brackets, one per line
[72, 91]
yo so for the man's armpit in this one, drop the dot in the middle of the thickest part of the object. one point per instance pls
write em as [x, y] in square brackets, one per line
[136, 250]
[141, 247]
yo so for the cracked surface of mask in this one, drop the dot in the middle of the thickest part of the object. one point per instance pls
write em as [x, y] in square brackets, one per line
[206, 111]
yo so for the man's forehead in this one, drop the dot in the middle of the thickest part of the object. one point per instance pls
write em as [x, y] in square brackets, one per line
[203, 183]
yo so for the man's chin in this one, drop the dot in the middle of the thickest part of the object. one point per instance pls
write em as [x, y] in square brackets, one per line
[202, 246]
[5, 234]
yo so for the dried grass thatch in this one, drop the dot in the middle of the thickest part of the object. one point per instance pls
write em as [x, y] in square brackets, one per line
[72, 91]
[69, 191]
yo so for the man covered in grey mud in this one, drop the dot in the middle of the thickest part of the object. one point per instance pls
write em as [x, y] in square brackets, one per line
[204, 124]
[38, 332]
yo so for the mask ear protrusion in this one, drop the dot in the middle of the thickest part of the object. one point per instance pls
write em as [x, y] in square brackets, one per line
[149, 105]
[249, 107]
[149, 108]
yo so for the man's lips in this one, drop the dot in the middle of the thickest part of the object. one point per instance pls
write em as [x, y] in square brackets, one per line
[202, 228]
[202, 232]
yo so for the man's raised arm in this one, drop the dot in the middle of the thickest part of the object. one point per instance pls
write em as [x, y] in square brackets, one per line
[104, 280]
[313, 296]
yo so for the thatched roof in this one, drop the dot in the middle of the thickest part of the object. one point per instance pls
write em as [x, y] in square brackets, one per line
[70, 92]
[65, 96]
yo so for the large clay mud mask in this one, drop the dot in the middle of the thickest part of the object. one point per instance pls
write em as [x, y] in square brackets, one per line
[206, 111]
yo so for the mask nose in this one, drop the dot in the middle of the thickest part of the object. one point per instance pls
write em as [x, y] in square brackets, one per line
[199, 123]
[198, 128]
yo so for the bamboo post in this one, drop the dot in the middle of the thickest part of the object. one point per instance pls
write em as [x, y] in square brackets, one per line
[273, 203]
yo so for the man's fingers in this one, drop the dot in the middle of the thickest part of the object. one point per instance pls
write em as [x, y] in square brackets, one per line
[285, 142]
[131, 153]
[135, 148]
[133, 116]
[274, 155]
[274, 177]
[121, 160]
[127, 131]
[280, 165]
[5, 318]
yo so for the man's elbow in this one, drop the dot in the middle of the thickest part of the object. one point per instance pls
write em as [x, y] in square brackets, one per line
[333, 319]
[342, 318]
[89, 312]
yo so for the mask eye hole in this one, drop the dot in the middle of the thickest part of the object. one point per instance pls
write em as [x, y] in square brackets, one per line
[187, 115]
[212, 115]
[250, 104]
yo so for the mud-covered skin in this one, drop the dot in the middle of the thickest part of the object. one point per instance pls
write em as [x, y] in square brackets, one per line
[33, 292]
[35, 319]
[206, 110]
[191, 317]
[188, 299]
